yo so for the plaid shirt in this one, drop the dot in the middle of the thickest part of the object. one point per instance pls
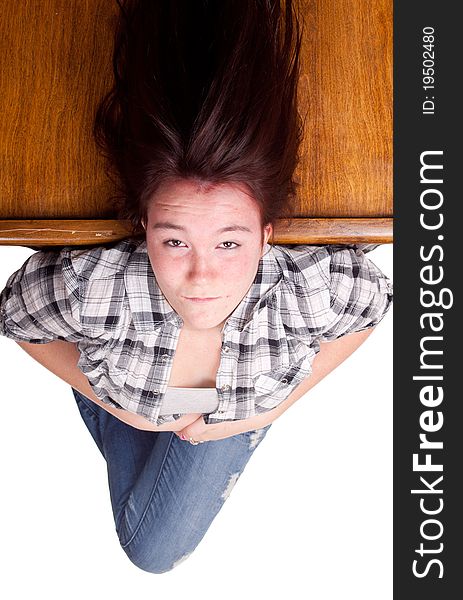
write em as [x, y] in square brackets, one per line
[107, 301]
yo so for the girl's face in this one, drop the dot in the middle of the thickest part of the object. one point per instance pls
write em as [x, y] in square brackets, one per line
[204, 245]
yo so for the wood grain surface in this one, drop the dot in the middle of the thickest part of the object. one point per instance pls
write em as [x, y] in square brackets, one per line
[55, 64]
[64, 232]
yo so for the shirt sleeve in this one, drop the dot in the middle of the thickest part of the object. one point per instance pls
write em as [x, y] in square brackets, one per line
[41, 300]
[360, 294]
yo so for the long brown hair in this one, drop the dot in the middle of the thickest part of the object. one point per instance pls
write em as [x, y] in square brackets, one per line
[204, 90]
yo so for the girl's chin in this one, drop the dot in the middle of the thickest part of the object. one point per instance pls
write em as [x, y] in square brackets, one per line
[203, 323]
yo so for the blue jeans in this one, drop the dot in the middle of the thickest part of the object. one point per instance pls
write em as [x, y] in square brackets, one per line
[164, 491]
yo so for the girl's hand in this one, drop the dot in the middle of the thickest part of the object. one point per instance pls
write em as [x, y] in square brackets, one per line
[200, 432]
[180, 423]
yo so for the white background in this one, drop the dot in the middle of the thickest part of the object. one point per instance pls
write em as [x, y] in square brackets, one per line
[311, 515]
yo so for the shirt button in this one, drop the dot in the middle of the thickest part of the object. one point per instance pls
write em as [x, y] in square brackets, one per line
[226, 349]
[165, 357]
[284, 381]
[220, 412]
[225, 388]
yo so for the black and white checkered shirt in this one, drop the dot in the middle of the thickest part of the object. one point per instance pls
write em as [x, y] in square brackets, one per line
[106, 299]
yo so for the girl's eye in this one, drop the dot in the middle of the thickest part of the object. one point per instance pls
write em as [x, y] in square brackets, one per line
[175, 246]
[168, 243]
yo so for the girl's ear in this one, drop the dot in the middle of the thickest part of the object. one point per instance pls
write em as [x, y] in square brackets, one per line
[268, 229]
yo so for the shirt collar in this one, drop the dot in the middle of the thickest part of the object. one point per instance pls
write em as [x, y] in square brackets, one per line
[261, 292]
[150, 309]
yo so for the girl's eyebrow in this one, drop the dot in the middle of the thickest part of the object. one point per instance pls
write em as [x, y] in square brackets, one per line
[167, 225]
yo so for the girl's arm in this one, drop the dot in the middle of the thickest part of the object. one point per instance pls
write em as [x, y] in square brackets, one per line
[61, 358]
[330, 356]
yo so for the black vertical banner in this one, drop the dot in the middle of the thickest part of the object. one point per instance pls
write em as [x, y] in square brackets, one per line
[428, 399]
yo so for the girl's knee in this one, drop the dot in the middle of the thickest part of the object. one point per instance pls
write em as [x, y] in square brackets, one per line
[156, 561]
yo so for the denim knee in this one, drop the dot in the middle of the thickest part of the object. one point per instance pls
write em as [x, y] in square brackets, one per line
[154, 560]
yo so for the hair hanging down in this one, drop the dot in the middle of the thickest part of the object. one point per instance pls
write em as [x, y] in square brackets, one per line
[204, 90]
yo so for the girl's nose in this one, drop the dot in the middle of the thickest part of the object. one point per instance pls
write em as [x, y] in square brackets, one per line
[201, 266]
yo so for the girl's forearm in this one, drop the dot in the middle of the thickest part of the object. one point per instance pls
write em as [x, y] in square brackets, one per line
[330, 356]
[61, 358]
